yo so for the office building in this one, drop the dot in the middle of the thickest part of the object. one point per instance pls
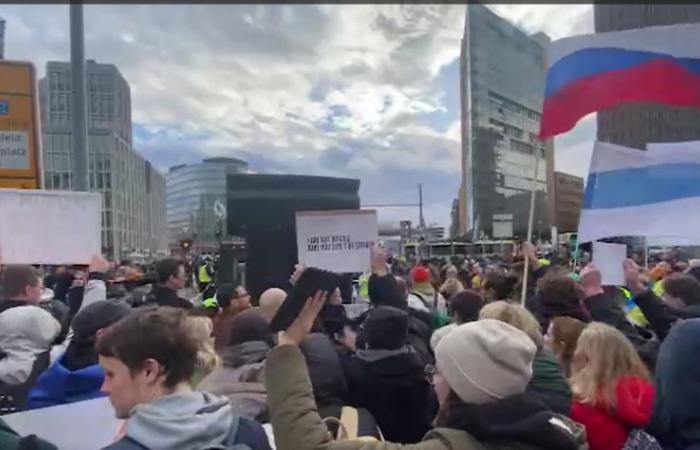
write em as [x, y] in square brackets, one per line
[568, 200]
[133, 192]
[192, 190]
[503, 73]
[636, 124]
[2, 38]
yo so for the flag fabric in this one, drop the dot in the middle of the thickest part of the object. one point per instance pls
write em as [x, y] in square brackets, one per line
[595, 72]
[653, 193]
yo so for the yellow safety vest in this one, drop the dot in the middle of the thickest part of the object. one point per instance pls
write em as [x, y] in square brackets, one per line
[204, 275]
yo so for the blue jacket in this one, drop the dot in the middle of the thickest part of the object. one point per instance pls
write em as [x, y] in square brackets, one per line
[59, 386]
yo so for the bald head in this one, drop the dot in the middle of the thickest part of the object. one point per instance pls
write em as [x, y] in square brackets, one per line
[270, 302]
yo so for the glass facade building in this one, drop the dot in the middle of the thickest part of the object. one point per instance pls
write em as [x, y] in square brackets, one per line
[133, 192]
[503, 72]
[192, 191]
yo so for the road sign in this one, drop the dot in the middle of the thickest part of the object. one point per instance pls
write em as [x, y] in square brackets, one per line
[20, 157]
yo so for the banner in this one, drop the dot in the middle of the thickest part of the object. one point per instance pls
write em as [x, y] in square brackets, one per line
[608, 258]
[339, 241]
[49, 227]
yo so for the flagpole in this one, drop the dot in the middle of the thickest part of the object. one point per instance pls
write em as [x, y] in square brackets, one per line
[530, 221]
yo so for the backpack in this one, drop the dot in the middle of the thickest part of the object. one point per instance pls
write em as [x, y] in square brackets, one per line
[10, 440]
[641, 440]
[348, 426]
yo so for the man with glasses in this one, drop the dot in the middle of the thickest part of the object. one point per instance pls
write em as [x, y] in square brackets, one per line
[20, 286]
[171, 277]
[232, 300]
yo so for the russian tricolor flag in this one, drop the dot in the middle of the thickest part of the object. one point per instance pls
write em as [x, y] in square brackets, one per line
[594, 72]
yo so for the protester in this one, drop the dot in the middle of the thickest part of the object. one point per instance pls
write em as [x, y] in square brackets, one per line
[270, 302]
[558, 295]
[149, 358]
[206, 274]
[388, 377]
[464, 307]
[232, 300]
[20, 286]
[548, 382]
[170, 278]
[26, 335]
[498, 286]
[240, 377]
[562, 338]
[483, 370]
[202, 329]
[676, 418]
[449, 288]
[423, 292]
[611, 387]
[76, 375]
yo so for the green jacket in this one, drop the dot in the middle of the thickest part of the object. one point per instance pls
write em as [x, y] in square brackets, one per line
[298, 426]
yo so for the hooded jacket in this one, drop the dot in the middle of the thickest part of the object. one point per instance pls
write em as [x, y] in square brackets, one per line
[59, 385]
[676, 418]
[187, 421]
[240, 379]
[549, 384]
[608, 429]
[298, 426]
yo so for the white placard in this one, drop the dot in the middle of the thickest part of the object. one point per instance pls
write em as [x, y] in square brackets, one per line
[608, 258]
[49, 227]
[14, 149]
[83, 425]
[339, 241]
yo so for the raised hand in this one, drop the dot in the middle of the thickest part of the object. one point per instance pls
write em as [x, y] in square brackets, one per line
[591, 280]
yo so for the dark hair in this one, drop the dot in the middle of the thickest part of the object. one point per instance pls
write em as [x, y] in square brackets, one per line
[15, 278]
[226, 292]
[465, 306]
[166, 268]
[159, 333]
[685, 287]
[559, 288]
[503, 285]
[250, 326]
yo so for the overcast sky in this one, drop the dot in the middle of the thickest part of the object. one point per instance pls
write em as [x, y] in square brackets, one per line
[366, 91]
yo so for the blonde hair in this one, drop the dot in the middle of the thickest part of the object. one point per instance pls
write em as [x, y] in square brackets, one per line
[450, 287]
[515, 315]
[201, 328]
[603, 356]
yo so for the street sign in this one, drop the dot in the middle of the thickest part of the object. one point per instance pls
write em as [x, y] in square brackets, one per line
[20, 157]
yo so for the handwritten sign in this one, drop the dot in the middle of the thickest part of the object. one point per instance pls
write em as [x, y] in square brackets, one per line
[339, 241]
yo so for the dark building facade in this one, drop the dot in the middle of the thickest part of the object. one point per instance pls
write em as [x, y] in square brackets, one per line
[568, 199]
[636, 124]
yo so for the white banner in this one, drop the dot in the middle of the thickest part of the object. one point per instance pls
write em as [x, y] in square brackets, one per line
[49, 227]
[608, 258]
[339, 241]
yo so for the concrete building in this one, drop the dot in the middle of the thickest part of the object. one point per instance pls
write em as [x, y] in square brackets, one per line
[503, 73]
[636, 124]
[192, 191]
[133, 192]
[568, 199]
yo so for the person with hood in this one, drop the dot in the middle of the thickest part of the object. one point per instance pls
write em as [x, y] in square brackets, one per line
[482, 371]
[612, 390]
[676, 418]
[76, 375]
[26, 335]
[149, 358]
[170, 278]
[387, 377]
[548, 382]
[240, 376]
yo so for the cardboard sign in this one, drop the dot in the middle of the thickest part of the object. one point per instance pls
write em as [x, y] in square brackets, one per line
[83, 425]
[49, 227]
[608, 258]
[339, 241]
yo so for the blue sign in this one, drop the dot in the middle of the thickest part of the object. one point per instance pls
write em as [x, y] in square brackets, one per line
[4, 107]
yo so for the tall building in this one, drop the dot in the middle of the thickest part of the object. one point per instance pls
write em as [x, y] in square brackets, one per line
[133, 192]
[636, 124]
[568, 199]
[2, 38]
[192, 191]
[503, 72]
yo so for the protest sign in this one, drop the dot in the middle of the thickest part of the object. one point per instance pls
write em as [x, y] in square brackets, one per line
[49, 227]
[339, 241]
[608, 258]
[83, 425]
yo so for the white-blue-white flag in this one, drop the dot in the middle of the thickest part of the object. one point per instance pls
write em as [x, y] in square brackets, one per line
[655, 194]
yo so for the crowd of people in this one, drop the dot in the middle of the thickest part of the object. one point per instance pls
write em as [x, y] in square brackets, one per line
[445, 356]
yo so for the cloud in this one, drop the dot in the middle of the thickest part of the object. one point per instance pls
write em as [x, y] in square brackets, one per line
[367, 91]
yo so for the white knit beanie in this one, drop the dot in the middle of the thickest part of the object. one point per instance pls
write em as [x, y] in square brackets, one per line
[486, 360]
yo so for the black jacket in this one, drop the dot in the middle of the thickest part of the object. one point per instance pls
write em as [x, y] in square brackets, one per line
[392, 386]
[325, 370]
[661, 316]
[163, 296]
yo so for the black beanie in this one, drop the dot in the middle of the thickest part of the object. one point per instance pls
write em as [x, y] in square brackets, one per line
[386, 328]
[98, 315]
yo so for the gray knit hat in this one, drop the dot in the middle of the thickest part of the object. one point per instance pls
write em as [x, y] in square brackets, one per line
[486, 360]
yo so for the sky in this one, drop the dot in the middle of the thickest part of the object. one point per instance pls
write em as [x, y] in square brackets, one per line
[361, 91]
